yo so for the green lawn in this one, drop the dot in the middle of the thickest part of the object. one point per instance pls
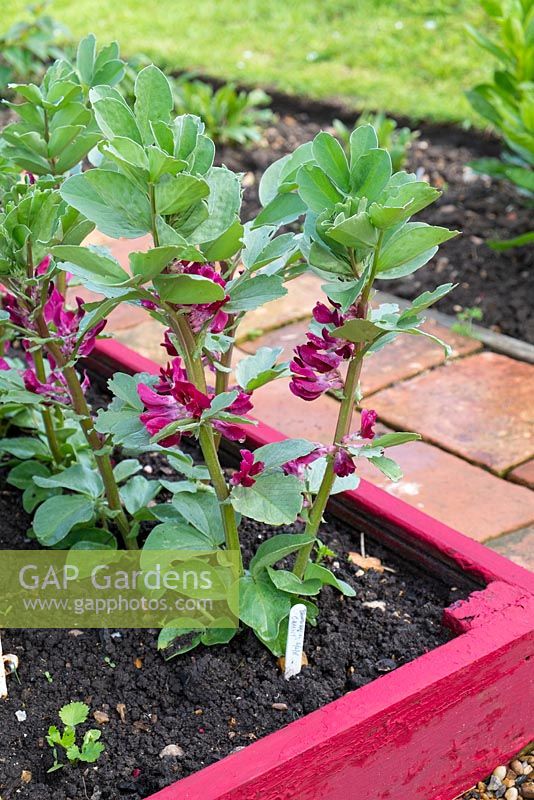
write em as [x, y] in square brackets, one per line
[407, 56]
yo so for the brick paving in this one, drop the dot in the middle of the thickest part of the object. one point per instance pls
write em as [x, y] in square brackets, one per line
[474, 469]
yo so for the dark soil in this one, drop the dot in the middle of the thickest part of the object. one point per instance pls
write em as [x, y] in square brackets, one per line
[500, 284]
[211, 701]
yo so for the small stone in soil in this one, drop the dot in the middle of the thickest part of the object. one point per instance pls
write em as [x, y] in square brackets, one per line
[101, 717]
[511, 793]
[279, 706]
[21, 716]
[527, 791]
[25, 776]
[517, 767]
[172, 751]
[500, 773]
[385, 665]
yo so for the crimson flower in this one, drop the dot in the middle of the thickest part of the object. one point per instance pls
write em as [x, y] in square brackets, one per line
[343, 464]
[66, 324]
[175, 398]
[315, 364]
[298, 465]
[367, 423]
[248, 470]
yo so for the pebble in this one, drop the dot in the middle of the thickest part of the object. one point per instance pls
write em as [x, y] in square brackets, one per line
[385, 665]
[172, 751]
[375, 604]
[101, 717]
[517, 767]
[279, 706]
[500, 773]
[75, 632]
[25, 776]
[21, 716]
[496, 785]
[527, 791]
[511, 794]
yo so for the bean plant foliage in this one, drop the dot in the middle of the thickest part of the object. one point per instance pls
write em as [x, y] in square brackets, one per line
[152, 172]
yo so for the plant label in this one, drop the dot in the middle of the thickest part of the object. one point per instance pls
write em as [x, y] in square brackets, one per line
[295, 640]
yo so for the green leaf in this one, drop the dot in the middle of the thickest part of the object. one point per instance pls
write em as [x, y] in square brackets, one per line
[77, 478]
[275, 499]
[406, 248]
[277, 454]
[357, 330]
[22, 474]
[176, 535]
[406, 201]
[261, 605]
[316, 572]
[153, 100]
[90, 264]
[518, 241]
[224, 201]
[178, 192]
[356, 231]
[394, 439]
[316, 189]
[285, 208]
[188, 289]
[114, 117]
[254, 291]
[111, 201]
[371, 174]
[261, 368]
[24, 447]
[276, 548]
[226, 245]
[331, 159]
[288, 582]
[387, 466]
[362, 139]
[427, 299]
[56, 517]
[138, 492]
[74, 714]
[153, 262]
[202, 511]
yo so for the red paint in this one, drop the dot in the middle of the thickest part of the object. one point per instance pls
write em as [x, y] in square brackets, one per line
[426, 731]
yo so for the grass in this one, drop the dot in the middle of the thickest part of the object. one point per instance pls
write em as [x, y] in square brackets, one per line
[411, 57]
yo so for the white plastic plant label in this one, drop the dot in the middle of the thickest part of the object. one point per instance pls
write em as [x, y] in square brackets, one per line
[295, 640]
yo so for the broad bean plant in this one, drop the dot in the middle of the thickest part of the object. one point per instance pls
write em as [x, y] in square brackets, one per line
[204, 271]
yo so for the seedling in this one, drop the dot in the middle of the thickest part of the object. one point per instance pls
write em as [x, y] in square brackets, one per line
[465, 320]
[72, 715]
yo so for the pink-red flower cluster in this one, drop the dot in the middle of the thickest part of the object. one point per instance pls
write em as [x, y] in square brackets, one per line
[315, 365]
[175, 398]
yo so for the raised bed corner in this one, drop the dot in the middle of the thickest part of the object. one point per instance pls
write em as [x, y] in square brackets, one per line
[425, 731]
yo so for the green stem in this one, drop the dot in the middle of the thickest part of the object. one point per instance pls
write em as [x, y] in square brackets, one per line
[46, 413]
[153, 213]
[103, 460]
[343, 426]
[206, 438]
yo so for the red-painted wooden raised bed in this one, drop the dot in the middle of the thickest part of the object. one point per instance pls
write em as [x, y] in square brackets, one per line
[427, 730]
